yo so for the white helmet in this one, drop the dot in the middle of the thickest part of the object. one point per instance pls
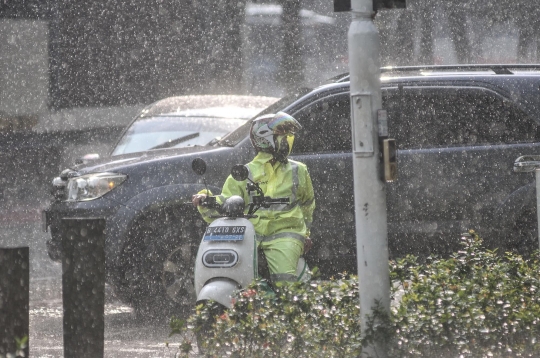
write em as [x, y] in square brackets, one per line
[274, 133]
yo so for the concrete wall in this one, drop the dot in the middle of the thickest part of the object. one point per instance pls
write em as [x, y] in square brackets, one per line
[24, 73]
[97, 129]
[36, 143]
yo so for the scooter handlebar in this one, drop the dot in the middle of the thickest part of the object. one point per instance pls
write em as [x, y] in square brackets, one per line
[210, 202]
[277, 200]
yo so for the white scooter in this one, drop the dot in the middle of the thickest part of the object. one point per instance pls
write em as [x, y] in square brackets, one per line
[227, 260]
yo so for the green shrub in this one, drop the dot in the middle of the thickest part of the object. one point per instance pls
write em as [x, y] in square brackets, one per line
[20, 344]
[319, 319]
[476, 303]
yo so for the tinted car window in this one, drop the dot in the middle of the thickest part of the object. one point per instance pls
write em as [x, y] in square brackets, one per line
[449, 116]
[173, 131]
[234, 137]
[326, 126]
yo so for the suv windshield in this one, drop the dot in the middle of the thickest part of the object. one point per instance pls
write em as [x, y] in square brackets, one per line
[160, 132]
[234, 137]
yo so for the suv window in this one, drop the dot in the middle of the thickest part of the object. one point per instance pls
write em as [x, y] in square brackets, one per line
[427, 117]
[326, 126]
[420, 117]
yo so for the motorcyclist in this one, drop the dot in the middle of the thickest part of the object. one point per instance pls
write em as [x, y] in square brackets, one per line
[282, 230]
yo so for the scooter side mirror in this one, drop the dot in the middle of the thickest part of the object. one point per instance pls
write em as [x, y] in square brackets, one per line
[240, 172]
[198, 166]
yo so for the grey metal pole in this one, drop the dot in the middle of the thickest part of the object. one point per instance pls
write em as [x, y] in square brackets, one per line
[369, 190]
[526, 164]
[537, 174]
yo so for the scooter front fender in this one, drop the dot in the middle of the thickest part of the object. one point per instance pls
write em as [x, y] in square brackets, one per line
[219, 290]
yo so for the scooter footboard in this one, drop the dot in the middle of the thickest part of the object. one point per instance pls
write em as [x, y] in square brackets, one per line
[219, 290]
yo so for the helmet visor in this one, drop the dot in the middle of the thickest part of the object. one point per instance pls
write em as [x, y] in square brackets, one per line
[284, 124]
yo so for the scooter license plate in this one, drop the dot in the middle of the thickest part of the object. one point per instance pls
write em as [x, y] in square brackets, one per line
[225, 233]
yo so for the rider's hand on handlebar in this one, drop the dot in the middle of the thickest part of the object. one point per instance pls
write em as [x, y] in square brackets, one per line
[307, 244]
[197, 199]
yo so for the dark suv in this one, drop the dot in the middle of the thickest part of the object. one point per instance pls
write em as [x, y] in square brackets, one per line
[459, 130]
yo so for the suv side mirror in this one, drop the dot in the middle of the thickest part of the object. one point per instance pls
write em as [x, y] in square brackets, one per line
[87, 158]
[198, 166]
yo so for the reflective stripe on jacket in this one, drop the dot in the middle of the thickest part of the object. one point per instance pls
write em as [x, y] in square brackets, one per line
[290, 180]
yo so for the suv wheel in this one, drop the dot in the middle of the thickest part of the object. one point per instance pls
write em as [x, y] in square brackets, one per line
[162, 241]
[177, 275]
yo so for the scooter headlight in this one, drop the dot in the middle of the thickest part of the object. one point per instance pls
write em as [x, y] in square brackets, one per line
[92, 186]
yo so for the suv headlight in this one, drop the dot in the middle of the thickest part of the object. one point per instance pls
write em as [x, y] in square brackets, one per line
[92, 186]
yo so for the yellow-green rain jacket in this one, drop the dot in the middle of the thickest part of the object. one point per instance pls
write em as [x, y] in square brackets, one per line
[290, 180]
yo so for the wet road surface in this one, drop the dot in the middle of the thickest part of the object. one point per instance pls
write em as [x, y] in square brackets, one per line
[125, 335]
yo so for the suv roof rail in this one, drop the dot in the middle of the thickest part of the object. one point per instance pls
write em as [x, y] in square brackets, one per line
[499, 69]
[343, 77]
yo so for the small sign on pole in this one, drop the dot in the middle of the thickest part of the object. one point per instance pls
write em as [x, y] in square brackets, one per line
[362, 126]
